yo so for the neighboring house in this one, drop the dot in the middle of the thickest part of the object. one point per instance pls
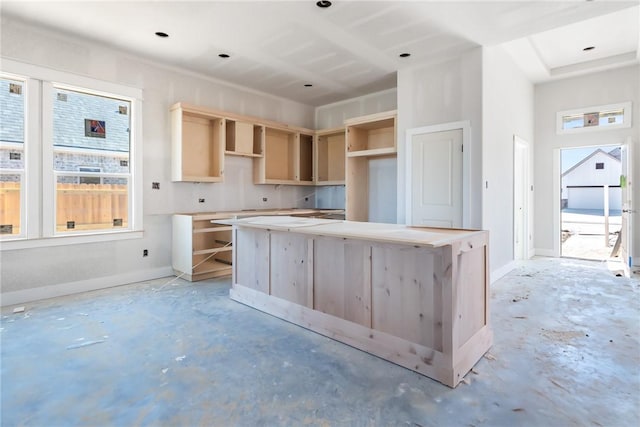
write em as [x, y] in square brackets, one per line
[76, 147]
[583, 184]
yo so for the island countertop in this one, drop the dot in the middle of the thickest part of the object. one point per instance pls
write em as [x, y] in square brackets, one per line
[379, 232]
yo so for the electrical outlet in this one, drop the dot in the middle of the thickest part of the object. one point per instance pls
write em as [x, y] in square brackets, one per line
[200, 200]
[264, 199]
[145, 252]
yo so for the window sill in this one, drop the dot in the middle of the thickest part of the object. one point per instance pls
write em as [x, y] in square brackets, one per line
[9, 245]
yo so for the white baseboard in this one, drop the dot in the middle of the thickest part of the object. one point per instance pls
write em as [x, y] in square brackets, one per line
[545, 252]
[502, 271]
[44, 292]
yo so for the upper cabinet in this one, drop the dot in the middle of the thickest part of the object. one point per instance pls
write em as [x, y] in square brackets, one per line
[329, 156]
[197, 144]
[369, 139]
[372, 135]
[201, 137]
[282, 154]
[288, 157]
[244, 138]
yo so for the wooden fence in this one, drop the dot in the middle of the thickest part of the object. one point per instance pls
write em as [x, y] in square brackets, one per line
[10, 206]
[87, 206]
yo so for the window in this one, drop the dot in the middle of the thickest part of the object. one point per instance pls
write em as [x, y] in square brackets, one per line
[98, 198]
[599, 165]
[594, 118]
[70, 160]
[12, 157]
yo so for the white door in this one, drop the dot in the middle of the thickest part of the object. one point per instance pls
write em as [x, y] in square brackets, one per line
[436, 184]
[520, 198]
[627, 207]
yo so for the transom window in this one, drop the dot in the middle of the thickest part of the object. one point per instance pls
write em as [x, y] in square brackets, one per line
[594, 118]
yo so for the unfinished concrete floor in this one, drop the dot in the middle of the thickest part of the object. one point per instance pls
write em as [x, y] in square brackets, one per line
[566, 353]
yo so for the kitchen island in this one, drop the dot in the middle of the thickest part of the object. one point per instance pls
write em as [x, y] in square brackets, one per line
[418, 297]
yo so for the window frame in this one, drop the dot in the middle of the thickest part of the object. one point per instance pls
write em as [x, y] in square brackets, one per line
[27, 88]
[39, 173]
[626, 118]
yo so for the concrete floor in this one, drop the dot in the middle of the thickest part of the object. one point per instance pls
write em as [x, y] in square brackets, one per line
[566, 353]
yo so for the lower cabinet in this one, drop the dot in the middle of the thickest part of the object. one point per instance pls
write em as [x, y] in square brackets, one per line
[201, 249]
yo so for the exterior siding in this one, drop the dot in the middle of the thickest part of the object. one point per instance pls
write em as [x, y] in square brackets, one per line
[592, 180]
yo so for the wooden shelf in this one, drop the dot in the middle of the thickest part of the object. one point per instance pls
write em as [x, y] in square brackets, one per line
[371, 136]
[330, 156]
[208, 269]
[235, 153]
[376, 152]
[213, 229]
[213, 250]
[367, 138]
[197, 143]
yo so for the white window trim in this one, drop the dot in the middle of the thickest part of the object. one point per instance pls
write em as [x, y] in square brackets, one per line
[626, 118]
[38, 117]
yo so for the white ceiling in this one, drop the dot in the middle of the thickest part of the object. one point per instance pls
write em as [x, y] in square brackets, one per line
[351, 48]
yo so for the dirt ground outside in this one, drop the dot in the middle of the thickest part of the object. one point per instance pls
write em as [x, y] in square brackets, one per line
[583, 233]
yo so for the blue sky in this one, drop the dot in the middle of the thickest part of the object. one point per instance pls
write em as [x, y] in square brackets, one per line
[571, 156]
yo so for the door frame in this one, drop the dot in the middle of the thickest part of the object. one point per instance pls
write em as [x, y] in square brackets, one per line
[628, 263]
[557, 185]
[465, 127]
[526, 198]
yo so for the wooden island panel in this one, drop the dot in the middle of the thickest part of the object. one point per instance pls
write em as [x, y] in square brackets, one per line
[342, 277]
[416, 297]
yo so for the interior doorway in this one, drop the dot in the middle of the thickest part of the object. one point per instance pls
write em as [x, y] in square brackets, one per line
[591, 201]
[521, 202]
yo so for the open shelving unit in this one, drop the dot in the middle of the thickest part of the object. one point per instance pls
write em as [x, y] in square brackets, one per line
[330, 156]
[367, 138]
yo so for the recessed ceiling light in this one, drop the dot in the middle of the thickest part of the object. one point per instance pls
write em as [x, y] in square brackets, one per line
[589, 48]
[308, 85]
[323, 3]
[161, 34]
[404, 55]
[223, 55]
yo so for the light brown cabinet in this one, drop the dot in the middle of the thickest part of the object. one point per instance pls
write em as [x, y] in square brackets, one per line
[201, 137]
[197, 145]
[288, 157]
[201, 249]
[367, 137]
[243, 138]
[329, 156]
